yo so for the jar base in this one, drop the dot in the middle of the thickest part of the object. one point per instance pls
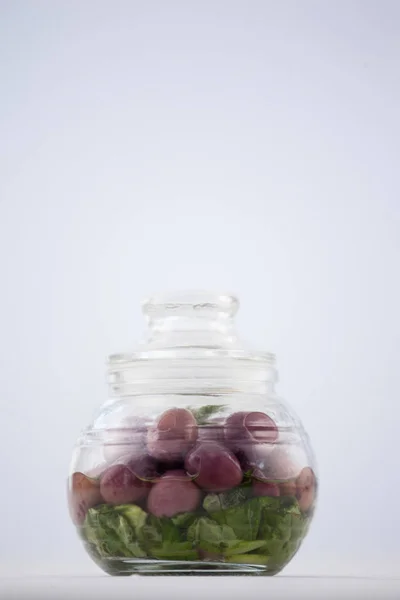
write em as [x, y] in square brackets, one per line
[125, 567]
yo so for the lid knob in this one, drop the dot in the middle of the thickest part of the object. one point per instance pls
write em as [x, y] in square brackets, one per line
[190, 305]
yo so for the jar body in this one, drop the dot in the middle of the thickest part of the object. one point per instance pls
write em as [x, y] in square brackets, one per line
[193, 466]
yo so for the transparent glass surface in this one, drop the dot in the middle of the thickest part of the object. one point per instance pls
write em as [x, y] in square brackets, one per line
[194, 465]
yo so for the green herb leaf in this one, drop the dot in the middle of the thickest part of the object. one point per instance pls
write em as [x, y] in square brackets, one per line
[165, 538]
[212, 503]
[277, 519]
[127, 534]
[269, 504]
[243, 547]
[263, 530]
[100, 534]
[216, 502]
[135, 516]
[273, 546]
[243, 519]
[203, 413]
[281, 525]
[279, 559]
[111, 533]
[300, 525]
[183, 520]
[175, 551]
[247, 477]
[158, 531]
[207, 535]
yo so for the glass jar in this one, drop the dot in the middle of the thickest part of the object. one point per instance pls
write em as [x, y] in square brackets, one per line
[193, 465]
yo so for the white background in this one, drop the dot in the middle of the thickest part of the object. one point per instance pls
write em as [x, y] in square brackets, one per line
[250, 146]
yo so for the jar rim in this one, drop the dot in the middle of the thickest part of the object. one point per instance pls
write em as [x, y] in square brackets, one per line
[267, 359]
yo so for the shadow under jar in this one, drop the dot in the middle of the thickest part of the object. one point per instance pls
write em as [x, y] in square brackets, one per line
[193, 465]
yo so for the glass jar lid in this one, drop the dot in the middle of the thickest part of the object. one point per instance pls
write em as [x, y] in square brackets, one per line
[192, 347]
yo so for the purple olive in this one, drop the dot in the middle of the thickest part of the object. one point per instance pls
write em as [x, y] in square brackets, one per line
[173, 435]
[119, 485]
[83, 493]
[214, 467]
[287, 488]
[306, 488]
[269, 463]
[174, 493]
[142, 465]
[213, 431]
[244, 428]
[261, 488]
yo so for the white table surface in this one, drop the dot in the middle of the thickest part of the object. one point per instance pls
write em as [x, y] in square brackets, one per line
[179, 588]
